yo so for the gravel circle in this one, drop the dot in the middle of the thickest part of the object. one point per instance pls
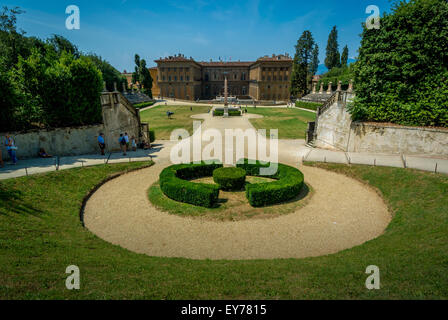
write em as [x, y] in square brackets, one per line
[343, 213]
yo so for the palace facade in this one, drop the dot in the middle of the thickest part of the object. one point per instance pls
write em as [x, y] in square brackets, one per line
[268, 78]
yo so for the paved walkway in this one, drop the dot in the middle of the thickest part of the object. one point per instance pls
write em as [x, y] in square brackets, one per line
[296, 149]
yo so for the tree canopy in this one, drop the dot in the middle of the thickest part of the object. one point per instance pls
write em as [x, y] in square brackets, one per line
[401, 75]
[332, 59]
[305, 64]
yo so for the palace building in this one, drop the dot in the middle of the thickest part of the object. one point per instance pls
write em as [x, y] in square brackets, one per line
[268, 78]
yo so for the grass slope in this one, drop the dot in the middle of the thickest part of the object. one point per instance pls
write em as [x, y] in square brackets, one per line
[40, 235]
[291, 123]
[159, 122]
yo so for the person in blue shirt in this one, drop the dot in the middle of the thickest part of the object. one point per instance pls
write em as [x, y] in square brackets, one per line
[102, 143]
[123, 144]
[11, 147]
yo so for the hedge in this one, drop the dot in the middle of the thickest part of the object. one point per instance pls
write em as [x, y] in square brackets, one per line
[152, 136]
[144, 104]
[288, 185]
[230, 179]
[232, 113]
[174, 184]
[308, 105]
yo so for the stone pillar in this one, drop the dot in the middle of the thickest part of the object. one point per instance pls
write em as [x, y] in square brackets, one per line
[350, 87]
[321, 91]
[124, 87]
[314, 87]
[104, 86]
[115, 87]
[339, 85]
[329, 90]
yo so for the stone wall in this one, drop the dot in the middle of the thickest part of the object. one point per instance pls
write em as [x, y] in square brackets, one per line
[378, 138]
[58, 142]
[335, 130]
[119, 116]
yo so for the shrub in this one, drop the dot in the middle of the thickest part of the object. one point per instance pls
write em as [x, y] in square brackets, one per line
[234, 113]
[230, 178]
[401, 74]
[144, 104]
[218, 113]
[308, 105]
[152, 136]
[174, 184]
[288, 185]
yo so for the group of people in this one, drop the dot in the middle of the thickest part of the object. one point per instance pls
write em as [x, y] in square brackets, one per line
[125, 142]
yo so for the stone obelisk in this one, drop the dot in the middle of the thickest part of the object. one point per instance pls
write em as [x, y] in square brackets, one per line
[226, 96]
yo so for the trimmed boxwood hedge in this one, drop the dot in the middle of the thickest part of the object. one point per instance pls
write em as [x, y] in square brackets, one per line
[230, 179]
[288, 185]
[174, 184]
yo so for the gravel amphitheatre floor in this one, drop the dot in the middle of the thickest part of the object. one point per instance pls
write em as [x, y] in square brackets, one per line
[342, 213]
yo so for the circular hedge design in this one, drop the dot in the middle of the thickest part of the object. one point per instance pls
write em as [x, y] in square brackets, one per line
[175, 185]
[230, 179]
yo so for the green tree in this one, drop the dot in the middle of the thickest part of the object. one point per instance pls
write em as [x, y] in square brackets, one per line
[142, 76]
[332, 59]
[315, 60]
[8, 100]
[303, 64]
[401, 75]
[344, 57]
[109, 73]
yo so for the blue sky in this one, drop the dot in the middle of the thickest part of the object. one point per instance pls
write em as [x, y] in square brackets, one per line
[204, 29]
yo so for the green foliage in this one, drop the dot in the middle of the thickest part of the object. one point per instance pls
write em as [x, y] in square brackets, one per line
[46, 84]
[288, 185]
[343, 74]
[152, 136]
[109, 73]
[401, 75]
[232, 113]
[308, 105]
[230, 179]
[344, 57]
[304, 64]
[142, 76]
[332, 59]
[144, 104]
[174, 184]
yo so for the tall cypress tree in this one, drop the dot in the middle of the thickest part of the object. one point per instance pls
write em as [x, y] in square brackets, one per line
[315, 60]
[344, 57]
[142, 76]
[333, 57]
[303, 64]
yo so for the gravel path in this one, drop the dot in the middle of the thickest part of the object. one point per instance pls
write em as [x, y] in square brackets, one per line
[342, 213]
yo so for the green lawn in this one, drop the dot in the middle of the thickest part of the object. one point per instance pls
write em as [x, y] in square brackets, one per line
[159, 122]
[40, 235]
[291, 123]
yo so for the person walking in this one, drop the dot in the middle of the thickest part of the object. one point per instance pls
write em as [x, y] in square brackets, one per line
[11, 148]
[134, 143]
[122, 142]
[126, 137]
[101, 143]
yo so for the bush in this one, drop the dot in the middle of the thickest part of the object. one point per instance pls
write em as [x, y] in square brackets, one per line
[308, 105]
[144, 104]
[174, 184]
[288, 185]
[152, 136]
[232, 113]
[401, 74]
[230, 179]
